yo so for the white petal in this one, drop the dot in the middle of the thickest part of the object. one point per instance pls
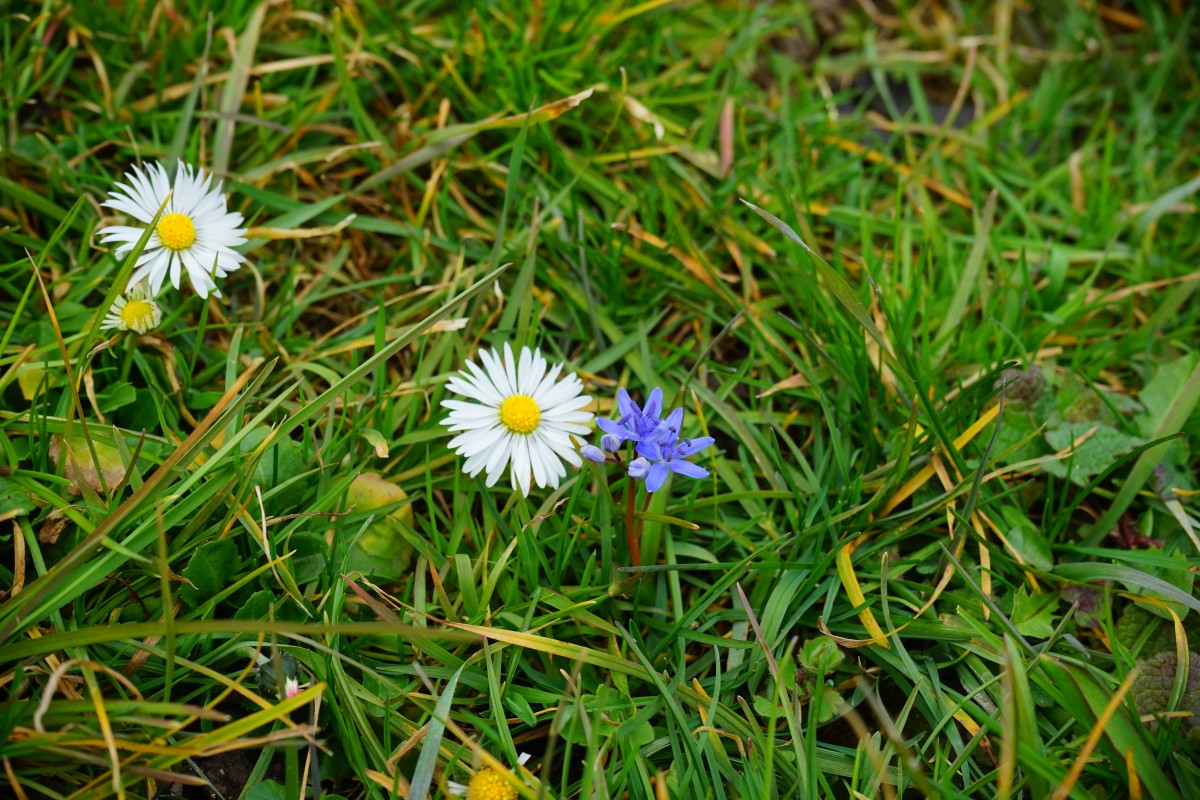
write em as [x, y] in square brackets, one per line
[495, 372]
[521, 470]
[510, 369]
[525, 372]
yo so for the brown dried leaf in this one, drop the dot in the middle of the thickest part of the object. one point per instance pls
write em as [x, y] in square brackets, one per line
[79, 468]
[52, 528]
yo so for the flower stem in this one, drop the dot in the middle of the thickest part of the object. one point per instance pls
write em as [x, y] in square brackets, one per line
[637, 535]
[631, 533]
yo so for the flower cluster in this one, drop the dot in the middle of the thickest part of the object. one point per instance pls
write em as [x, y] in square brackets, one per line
[196, 234]
[656, 441]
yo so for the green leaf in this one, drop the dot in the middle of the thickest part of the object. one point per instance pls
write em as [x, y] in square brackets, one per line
[210, 569]
[380, 550]
[821, 655]
[1156, 680]
[1141, 582]
[1027, 539]
[282, 462]
[267, 790]
[1135, 623]
[1093, 454]
[257, 606]
[1159, 392]
[1033, 615]
[14, 501]
[308, 560]
[116, 395]
[1181, 578]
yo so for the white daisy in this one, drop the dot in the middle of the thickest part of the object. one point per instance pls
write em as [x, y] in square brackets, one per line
[135, 311]
[487, 784]
[195, 232]
[517, 414]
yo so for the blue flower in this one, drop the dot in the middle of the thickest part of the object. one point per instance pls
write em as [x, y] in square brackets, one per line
[666, 453]
[635, 423]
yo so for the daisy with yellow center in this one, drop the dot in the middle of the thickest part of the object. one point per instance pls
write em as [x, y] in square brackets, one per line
[196, 232]
[135, 311]
[488, 784]
[517, 413]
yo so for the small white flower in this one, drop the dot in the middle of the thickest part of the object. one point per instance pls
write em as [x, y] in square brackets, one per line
[135, 311]
[291, 687]
[196, 231]
[487, 784]
[518, 414]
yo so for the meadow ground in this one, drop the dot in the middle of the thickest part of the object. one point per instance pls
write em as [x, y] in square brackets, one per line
[944, 541]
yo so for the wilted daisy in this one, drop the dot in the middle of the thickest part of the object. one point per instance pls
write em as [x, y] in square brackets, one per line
[487, 784]
[196, 232]
[134, 311]
[517, 413]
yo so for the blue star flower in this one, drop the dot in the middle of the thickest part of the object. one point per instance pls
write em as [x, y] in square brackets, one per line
[666, 453]
[635, 423]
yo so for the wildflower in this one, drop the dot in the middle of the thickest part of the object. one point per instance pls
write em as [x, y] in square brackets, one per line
[635, 422]
[135, 311]
[487, 784]
[668, 456]
[518, 414]
[196, 232]
[665, 453]
[291, 688]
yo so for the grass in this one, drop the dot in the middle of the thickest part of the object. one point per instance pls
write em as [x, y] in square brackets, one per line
[948, 543]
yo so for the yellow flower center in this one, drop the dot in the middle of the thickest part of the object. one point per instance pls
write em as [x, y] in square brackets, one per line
[489, 784]
[139, 315]
[176, 231]
[520, 414]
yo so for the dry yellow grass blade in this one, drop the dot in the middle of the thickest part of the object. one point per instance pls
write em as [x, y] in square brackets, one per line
[1064, 789]
[905, 171]
[299, 233]
[845, 570]
[919, 480]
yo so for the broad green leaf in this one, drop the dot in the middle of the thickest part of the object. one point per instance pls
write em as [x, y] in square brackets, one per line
[1094, 452]
[1034, 614]
[212, 567]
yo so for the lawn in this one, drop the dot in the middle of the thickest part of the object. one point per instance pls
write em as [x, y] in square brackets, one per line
[572, 399]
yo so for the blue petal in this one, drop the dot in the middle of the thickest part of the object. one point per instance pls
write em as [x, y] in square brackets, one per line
[649, 448]
[615, 428]
[657, 476]
[688, 469]
[667, 432]
[611, 442]
[625, 404]
[690, 446]
[654, 403]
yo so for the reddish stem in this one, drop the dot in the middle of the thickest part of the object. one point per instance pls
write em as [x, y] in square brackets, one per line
[632, 537]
